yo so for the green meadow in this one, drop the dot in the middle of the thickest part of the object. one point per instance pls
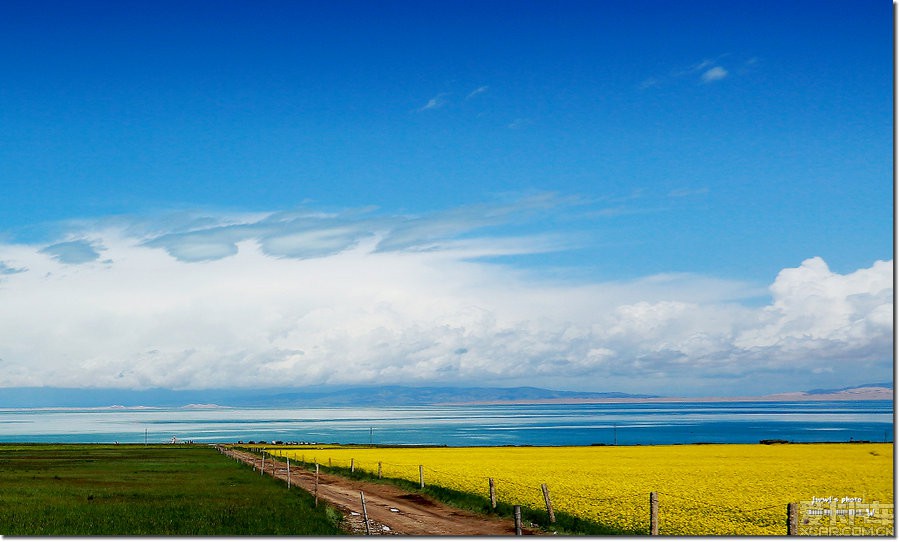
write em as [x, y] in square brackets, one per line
[157, 490]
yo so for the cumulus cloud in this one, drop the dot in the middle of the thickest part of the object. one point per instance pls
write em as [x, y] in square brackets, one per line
[814, 307]
[303, 298]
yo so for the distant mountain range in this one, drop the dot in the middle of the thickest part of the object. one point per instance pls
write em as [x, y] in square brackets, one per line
[888, 385]
[401, 395]
[369, 396]
[286, 397]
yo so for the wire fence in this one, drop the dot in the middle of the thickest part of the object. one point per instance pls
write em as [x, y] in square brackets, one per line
[511, 491]
[671, 511]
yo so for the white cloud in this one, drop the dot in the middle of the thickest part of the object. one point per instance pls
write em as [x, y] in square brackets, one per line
[434, 103]
[302, 299]
[649, 82]
[708, 71]
[477, 91]
[716, 73]
[519, 123]
[812, 306]
[702, 66]
[688, 192]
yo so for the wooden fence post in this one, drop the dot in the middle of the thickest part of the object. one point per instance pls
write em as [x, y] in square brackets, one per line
[792, 519]
[316, 491]
[517, 515]
[352, 466]
[493, 492]
[546, 492]
[421, 477]
[654, 513]
[289, 472]
[362, 498]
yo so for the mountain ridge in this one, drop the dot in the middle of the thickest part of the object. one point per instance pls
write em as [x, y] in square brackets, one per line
[365, 396]
[314, 396]
[824, 391]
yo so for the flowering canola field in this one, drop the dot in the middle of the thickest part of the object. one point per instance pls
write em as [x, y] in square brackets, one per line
[727, 489]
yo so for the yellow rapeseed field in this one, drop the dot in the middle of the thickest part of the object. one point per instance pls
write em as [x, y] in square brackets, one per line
[728, 489]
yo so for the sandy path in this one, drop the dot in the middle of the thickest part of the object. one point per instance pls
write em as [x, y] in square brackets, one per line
[391, 510]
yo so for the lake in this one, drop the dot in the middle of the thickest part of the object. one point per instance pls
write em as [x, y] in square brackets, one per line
[475, 425]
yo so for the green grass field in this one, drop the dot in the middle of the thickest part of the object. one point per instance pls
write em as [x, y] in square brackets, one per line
[85, 490]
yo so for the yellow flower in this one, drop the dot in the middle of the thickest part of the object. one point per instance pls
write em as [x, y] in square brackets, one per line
[727, 489]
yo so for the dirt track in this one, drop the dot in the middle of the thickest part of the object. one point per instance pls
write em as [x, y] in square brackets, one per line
[391, 510]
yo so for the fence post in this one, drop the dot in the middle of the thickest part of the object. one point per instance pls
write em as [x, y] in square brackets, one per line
[352, 466]
[316, 490]
[654, 513]
[492, 492]
[362, 498]
[546, 492]
[517, 515]
[379, 469]
[289, 472]
[421, 477]
[792, 519]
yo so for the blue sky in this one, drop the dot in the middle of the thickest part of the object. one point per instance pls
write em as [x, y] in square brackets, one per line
[491, 148]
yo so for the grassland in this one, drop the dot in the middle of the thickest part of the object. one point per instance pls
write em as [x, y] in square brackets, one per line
[703, 489]
[89, 490]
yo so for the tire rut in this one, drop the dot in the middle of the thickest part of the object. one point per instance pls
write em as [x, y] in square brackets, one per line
[390, 509]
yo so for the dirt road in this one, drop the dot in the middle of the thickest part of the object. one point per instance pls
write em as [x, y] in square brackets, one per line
[390, 509]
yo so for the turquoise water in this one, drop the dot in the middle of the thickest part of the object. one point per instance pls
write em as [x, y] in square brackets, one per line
[551, 425]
